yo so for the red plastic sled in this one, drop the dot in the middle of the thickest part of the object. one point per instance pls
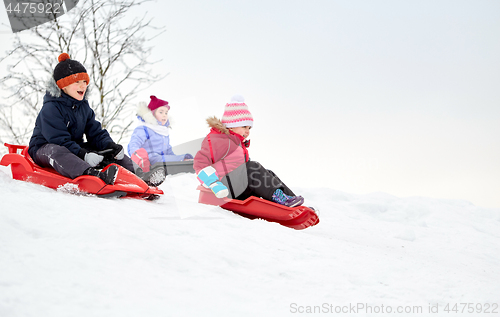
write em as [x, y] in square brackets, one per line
[300, 217]
[127, 184]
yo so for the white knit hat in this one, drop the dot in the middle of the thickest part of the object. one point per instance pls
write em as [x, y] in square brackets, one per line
[236, 113]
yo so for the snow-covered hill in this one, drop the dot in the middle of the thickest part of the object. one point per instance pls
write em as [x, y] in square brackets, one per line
[67, 255]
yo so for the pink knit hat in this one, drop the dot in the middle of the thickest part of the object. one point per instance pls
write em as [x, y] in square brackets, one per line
[236, 113]
[156, 103]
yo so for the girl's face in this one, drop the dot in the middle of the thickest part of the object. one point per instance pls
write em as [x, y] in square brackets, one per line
[243, 131]
[77, 89]
[161, 114]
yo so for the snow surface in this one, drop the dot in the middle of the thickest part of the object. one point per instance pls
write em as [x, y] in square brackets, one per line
[70, 255]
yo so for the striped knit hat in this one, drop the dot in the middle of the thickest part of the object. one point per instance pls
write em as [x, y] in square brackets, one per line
[236, 113]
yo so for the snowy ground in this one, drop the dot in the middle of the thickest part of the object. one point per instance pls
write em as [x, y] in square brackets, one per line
[67, 255]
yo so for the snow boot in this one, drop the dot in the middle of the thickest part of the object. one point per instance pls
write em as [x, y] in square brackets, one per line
[156, 177]
[283, 199]
[108, 176]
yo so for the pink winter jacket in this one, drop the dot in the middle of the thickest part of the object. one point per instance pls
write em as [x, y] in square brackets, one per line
[223, 149]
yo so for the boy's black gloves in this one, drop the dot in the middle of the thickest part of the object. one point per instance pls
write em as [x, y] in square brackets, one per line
[118, 152]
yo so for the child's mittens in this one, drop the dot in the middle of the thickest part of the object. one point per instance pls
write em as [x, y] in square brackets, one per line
[141, 158]
[208, 176]
[118, 152]
[93, 158]
[219, 190]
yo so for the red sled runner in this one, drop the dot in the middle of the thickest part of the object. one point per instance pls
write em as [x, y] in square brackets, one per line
[299, 217]
[127, 184]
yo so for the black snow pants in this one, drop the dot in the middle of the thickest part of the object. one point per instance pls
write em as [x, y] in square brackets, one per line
[68, 164]
[262, 182]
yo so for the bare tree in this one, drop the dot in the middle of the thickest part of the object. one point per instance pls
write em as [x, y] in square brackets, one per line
[100, 34]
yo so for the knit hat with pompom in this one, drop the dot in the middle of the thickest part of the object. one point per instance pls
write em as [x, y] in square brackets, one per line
[69, 71]
[236, 113]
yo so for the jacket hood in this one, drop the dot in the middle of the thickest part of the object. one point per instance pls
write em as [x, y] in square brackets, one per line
[57, 95]
[146, 115]
[216, 124]
[54, 90]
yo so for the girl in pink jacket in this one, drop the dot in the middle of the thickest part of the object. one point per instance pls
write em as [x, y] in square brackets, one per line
[224, 166]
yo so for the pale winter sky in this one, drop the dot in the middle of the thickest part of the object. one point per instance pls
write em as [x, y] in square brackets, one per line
[395, 96]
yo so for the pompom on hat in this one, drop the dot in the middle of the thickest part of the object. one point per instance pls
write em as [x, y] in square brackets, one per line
[236, 113]
[156, 103]
[69, 71]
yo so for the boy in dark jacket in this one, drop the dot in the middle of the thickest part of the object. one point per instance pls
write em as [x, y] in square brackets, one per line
[57, 139]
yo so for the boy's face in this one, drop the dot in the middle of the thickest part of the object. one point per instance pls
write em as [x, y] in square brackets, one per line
[161, 114]
[77, 89]
[243, 131]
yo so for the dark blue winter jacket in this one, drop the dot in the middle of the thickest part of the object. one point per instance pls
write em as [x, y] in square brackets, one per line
[63, 121]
